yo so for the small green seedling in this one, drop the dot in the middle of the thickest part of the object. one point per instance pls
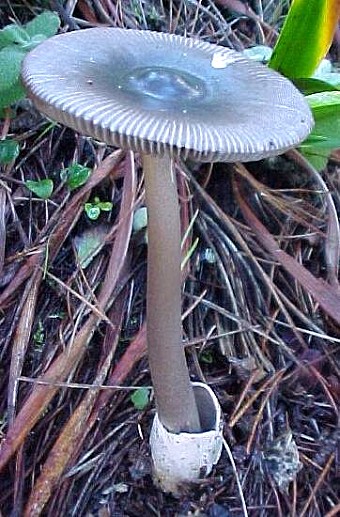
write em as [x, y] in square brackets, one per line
[75, 175]
[42, 188]
[9, 150]
[94, 209]
[207, 357]
[140, 398]
[15, 42]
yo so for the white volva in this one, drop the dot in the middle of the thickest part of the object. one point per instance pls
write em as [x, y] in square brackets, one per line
[186, 457]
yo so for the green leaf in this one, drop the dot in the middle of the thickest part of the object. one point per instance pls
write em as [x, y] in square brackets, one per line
[105, 206]
[11, 89]
[10, 64]
[75, 176]
[13, 34]
[311, 85]
[10, 95]
[42, 188]
[207, 357]
[305, 37]
[318, 161]
[9, 150]
[324, 101]
[314, 140]
[5, 37]
[34, 32]
[326, 133]
[140, 398]
[92, 211]
[46, 24]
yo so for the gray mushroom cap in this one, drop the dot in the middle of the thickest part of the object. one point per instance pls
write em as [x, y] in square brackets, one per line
[158, 93]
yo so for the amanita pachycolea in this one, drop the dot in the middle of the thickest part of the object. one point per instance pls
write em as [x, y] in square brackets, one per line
[167, 96]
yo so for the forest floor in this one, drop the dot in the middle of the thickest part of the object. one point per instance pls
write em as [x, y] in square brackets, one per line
[76, 442]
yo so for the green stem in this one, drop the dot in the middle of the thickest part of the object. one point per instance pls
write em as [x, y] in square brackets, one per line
[174, 395]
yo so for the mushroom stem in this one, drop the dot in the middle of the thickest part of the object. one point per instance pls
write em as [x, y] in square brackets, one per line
[175, 400]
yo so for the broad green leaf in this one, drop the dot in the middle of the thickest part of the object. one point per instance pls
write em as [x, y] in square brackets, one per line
[33, 42]
[322, 145]
[309, 85]
[5, 38]
[11, 89]
[41, 27]
[42, 188]
[46, 24]
[323, 101]
[326, 133]
[316, 158]
[10, 95]
[305, 37]
[140, 398]
[75, 175]
[13, 34]
[9, 150]
[10, 64]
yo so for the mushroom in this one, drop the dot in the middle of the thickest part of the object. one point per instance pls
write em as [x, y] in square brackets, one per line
[167, 96]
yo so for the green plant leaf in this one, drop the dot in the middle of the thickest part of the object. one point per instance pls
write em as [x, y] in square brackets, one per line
[10, 64]
[10, 95]
[75, 175]
[13, 33]
[322, 102]
[42, 188]
[9, 150]
[92, 211]
[46, 23]
[11, 90]
[326, 133]
[207, 357]
[105, 206]
[311, 85]
[140, 398]
[5, 37]
[305, 37]
[41, 27]
[318, 161]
